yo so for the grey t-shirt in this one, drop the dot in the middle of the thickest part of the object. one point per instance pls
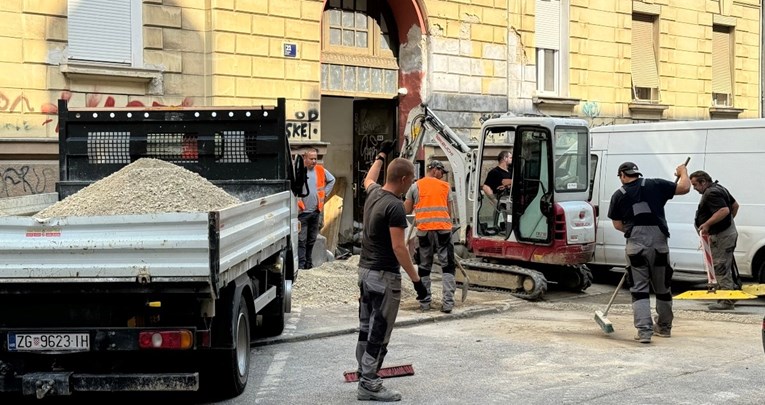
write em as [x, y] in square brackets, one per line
[382, 210]
[311, 201]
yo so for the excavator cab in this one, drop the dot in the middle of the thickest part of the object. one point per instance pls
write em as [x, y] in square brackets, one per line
[544, 223]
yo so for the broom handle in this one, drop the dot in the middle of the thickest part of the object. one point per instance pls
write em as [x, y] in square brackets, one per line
[618, 287]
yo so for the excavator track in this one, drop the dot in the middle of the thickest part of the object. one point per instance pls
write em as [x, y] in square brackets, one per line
[523, 283]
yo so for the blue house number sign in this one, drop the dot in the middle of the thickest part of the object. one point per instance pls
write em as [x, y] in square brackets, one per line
[290, 50]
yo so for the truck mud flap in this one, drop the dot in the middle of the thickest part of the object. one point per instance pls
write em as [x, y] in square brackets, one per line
[44, 384]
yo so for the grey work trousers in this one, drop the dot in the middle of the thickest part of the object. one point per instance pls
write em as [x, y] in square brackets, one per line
[432, 243]
[722, 246]
[648, 256]
[378, 308]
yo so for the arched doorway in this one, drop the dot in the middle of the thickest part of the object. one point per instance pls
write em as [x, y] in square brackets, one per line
[371, 51]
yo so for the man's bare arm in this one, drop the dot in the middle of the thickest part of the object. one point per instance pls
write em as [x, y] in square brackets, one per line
[734, 211]
[374, 172]
[618, 225]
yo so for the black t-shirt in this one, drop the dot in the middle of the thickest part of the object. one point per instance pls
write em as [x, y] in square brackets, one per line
[654, 192]
[714, 198]
[382, 210]
[494, 178]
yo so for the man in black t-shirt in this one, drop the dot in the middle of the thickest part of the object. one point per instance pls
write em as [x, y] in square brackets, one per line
[383, 252]
[637, 210]
[500, 178]
[714, 217]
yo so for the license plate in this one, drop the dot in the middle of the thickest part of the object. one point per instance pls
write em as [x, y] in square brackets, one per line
[40, 342]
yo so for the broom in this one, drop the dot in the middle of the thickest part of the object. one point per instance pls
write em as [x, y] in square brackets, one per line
[600, 317]
[385, 372]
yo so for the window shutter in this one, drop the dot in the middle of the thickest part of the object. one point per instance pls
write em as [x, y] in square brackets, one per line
[721, 69]
[100, 30]
[644, 70]
[547, 24]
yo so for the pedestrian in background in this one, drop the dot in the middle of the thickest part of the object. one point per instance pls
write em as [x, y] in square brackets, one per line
[383, 253]
[310, 207]
[637, 210]
[714, 217]
[430, 198]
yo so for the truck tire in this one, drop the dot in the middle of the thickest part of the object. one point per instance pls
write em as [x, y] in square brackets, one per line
[228, 377]
[273, 318]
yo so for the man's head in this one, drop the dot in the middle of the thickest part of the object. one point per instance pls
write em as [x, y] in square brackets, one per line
[400, 176]
[504, 157]
[700, 180]
[436, 169]
[310, 157]
[628, 172]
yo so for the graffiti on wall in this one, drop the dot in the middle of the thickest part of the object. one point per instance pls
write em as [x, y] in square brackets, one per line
[20, 104]
[305, 126]
[25, 179]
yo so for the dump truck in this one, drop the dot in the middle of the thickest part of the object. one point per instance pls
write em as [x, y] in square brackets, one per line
[165, 301]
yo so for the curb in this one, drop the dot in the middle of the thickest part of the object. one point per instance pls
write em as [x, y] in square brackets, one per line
[471, 313]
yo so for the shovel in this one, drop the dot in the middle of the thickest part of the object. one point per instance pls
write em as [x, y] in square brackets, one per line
[712, 292]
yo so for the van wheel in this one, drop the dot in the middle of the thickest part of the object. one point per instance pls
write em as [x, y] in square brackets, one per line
[228, 377]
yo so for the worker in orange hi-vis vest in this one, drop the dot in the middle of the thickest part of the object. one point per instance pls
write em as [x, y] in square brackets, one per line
[430, 198]
[310, 207]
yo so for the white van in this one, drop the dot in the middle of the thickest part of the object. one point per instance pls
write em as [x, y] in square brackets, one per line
[731, 151]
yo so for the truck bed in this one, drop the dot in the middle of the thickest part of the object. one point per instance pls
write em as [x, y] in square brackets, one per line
[198, 247]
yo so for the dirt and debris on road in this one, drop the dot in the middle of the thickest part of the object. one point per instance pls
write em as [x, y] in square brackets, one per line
[336, 284]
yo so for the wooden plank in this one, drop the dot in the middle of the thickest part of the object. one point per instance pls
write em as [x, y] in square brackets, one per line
[333, 213]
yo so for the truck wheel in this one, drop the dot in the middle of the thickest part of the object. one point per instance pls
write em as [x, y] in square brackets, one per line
[229, 379]
[272, 320]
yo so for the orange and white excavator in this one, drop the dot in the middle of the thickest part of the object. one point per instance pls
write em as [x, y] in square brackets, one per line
[543, 228]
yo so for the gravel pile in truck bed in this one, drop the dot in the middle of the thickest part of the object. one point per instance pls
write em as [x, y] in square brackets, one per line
[143, 187]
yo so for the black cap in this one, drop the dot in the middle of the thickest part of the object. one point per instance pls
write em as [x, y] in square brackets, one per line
[629, 169]
[436, 164]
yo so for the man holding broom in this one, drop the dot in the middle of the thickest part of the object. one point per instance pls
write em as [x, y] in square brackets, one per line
[637, 210]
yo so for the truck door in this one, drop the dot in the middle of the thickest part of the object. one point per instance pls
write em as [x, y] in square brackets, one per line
[374, 121]
[532, 192]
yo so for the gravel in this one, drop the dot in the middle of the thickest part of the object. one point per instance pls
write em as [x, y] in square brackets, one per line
[143, 187]
[336, 283]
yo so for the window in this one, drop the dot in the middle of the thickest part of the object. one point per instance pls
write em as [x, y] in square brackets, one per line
[107, 31]
[722, 59]
[571, 159]
[359, 49]
[357, 27]
[645, 72]
[548, 44]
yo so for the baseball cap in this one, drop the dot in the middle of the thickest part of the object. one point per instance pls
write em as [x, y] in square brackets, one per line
[629, 168]
[436, 164]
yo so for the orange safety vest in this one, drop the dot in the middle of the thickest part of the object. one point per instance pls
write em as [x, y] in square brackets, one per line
[321, 181]
[431, 211]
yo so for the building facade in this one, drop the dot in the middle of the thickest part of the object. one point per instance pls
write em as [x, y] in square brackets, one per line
[351, 70]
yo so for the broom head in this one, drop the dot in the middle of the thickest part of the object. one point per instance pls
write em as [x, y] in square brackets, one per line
[385, 372]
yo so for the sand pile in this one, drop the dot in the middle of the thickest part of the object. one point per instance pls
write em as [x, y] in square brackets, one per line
[143, 187]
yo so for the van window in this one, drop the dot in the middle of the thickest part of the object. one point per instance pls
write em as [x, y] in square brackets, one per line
[571, 159]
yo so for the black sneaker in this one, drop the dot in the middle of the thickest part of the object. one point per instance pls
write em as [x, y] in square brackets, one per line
[383, 395]
[660, 332]
[643, 338]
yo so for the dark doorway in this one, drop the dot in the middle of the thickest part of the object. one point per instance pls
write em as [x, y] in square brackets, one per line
[373, 122]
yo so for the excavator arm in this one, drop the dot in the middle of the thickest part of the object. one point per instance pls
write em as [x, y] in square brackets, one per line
[423, 124]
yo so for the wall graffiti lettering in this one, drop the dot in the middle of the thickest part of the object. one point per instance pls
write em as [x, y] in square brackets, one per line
[27, 179]
[305, 126]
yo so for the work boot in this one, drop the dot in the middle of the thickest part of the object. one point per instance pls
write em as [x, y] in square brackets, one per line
[383, 395]
[661, 330]
[425, 306]
[643, 337]
[722, 305]
[447, 309]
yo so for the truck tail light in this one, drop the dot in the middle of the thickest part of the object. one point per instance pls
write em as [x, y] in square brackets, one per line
[169, 339]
